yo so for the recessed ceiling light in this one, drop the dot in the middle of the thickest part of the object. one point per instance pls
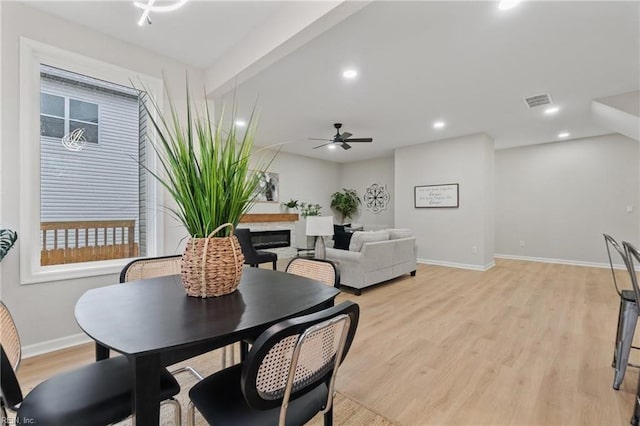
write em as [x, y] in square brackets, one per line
[551, 110]
[438, 124]
[350, 74]
[508, 4]
[564, 135]
[331, 146]
[240, 123]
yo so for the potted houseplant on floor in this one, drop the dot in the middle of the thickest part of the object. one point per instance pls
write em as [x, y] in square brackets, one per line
[345, 202]
[208, 173]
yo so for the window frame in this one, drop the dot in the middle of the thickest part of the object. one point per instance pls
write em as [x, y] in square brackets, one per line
[32, 54]
[67, 115]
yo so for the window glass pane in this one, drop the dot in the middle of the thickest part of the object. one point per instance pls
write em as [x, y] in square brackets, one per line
[51, 105]
[51, 127]
[90, 130]
[92, 196]
[85, 111]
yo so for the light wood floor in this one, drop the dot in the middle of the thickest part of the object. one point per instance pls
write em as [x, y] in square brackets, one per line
[524, 343]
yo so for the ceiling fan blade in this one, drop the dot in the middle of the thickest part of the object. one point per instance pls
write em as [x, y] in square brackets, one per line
[345, 146]
[324, 144]
[320, 139]
[359, 140]
[345, 135]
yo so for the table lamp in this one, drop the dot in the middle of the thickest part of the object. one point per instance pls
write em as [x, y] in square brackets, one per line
[319, 226]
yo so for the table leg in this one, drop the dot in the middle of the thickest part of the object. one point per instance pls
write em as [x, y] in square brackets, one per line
[244, 350]
[146, 389]
[101, 352]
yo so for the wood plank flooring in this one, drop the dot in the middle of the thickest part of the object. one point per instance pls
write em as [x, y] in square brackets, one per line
[522, 344]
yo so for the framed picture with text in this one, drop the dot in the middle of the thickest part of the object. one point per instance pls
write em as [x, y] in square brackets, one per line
[436, 196]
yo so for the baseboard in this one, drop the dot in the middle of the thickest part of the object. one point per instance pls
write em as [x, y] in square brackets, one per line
[54, 345]
[457, 265]
[562, 261]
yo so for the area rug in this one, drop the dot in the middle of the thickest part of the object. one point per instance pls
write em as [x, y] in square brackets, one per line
[346, 411]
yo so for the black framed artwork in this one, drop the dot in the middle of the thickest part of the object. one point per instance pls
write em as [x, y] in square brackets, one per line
[436, 196]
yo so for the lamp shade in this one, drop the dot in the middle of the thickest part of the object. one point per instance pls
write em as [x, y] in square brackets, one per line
[319, 225]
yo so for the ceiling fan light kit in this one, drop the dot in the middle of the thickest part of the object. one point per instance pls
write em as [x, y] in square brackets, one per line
[340, 139]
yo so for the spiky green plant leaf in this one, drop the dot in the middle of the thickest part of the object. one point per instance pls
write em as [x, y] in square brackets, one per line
[7, 239]
[206, 169]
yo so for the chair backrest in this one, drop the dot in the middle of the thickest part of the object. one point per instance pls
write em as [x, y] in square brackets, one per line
[632, 254]
[10, 355]
[318, 269]
[297, 355]
[9, 337]
[150, 267]
[10, 388]
[244, 237]
[610, 242]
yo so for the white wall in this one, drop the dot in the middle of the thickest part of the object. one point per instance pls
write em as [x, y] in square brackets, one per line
[45, 311]
[447, 236]
[359, 175]
[305, 179]
[560, 197]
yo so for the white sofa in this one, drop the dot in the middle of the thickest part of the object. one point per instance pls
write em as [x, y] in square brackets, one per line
[374, 257]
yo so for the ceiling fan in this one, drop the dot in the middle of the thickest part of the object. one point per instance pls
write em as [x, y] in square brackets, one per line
[340, 139]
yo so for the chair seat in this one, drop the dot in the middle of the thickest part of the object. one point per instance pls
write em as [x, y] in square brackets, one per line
[97, 394]
[220, 400]
[266, 256]
[629, 295]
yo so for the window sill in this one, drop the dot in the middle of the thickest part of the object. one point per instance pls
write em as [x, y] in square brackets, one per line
[44, 274]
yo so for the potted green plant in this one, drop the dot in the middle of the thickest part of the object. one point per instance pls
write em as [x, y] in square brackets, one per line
[308, 209]
[7, 239]
[206, 169]
[346, 202]
[291, 204]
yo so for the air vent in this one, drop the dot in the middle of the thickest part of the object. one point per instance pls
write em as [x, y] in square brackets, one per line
[537, 100]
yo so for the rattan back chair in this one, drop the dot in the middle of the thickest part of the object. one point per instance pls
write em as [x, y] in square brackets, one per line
[288, 376]
[154, 267]
[150, 267]
[9, 337]
[318, 269]
[98, 394]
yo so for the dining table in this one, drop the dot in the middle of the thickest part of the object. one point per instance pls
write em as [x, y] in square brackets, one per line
[155, 324]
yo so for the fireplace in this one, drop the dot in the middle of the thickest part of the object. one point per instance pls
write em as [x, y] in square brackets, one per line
[271, 239]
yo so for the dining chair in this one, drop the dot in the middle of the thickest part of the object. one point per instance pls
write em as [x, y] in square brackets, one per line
[318, 269]
[253, 257]
[153, 267]
[627, 297]
[288, 377]
[100, 391]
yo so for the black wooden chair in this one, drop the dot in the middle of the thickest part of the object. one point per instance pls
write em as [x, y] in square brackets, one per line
[253, 257]
[98, 394]
[288, 376]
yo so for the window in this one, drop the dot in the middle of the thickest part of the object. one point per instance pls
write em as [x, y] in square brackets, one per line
[89, 204]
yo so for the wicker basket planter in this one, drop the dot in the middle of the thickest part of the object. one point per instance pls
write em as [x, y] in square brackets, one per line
[212, 266]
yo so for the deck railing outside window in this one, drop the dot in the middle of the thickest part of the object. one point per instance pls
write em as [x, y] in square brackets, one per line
[73, 242]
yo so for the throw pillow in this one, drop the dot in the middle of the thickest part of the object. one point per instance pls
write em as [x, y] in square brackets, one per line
[361, 237]
[342, 240]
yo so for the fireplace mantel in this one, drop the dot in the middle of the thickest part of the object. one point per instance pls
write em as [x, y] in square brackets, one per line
[269, 217]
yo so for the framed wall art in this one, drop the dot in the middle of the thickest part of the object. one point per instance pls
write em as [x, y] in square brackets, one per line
[268, 190]
[436, 196]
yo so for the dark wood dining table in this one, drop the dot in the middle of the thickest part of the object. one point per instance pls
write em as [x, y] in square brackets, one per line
[154, 323]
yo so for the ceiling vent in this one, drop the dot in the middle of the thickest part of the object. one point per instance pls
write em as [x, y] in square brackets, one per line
[537, 100]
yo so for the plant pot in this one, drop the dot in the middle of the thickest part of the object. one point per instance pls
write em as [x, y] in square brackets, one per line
[212, 266]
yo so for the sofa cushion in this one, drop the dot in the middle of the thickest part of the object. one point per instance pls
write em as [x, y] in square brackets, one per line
[397, 233]
[361, 237]
[341, 238]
